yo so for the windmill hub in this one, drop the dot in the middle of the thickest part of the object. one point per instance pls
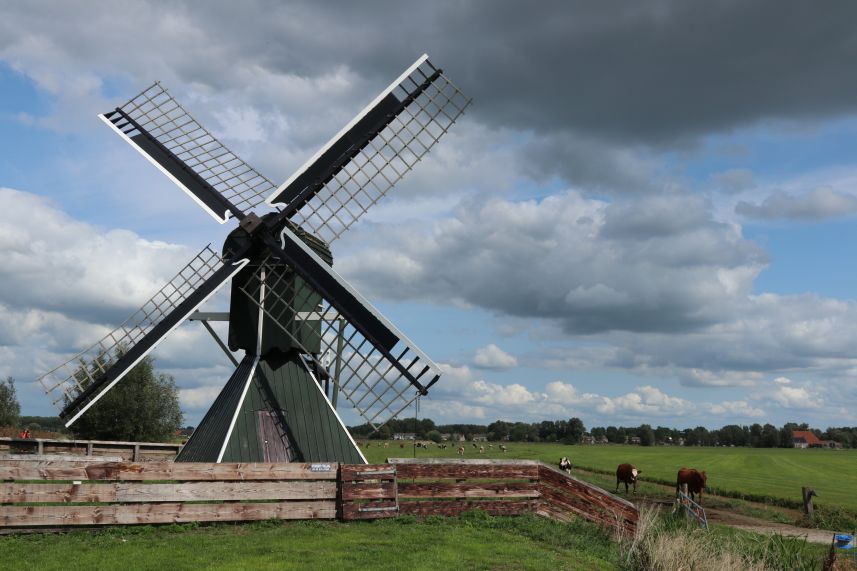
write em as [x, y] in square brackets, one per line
[307, 335]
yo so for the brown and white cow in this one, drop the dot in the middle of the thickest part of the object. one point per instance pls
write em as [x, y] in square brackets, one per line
[627, 474]
[694, 479]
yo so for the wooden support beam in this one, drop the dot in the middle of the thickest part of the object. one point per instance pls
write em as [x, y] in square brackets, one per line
[137, 492]
[128, 471]
[450, 490]
[31, 516]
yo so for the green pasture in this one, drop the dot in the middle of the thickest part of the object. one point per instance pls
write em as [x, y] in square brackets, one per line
[473, 541]
[773, 472]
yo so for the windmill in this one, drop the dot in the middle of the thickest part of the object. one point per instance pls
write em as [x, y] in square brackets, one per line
[309, 338]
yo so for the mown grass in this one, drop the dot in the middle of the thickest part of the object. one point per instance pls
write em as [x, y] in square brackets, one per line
[767, 475]
[472, 541]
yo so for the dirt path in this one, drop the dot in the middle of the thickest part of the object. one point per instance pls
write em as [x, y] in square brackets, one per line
[723, 516]
[748, 523]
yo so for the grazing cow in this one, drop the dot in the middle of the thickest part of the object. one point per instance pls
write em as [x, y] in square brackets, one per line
[461, 450]
[503, 448]
[482, 450]
[627, 473]
[402, 445]
[565, 464]
[695, 480]
[386, 444]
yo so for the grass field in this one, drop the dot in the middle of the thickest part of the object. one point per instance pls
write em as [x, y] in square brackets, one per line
[471, 541]
[474, 541]
[776, 472]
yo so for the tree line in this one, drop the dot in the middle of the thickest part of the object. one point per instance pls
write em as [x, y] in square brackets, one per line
[572, 431]
[566, 431]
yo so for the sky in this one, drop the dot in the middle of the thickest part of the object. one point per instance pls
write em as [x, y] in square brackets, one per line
[646, 215]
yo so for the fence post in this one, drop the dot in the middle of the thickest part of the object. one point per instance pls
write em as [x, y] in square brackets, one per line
[807, 500]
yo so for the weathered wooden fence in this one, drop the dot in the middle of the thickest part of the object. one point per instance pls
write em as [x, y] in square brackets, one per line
[49, 448]
[61, 493]
[54, 493]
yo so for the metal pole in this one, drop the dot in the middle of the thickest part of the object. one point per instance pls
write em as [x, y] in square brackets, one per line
[219, 342]
[338, 365]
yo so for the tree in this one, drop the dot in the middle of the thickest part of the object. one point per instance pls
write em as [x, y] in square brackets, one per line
[10, 409]
[434, 436]
[575, 431]
[646, 434]
[143, 407]
[770, 436]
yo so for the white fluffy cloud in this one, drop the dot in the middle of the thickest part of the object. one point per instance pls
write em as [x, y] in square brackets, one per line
[792, 396]
[643, 265]
[492, 357]
[67, 283]
[557, 399]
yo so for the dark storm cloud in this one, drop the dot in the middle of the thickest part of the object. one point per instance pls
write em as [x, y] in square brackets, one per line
[652, 72]
[655, 72]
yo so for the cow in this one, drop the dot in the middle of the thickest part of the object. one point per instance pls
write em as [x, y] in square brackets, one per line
[565, 465]
[694, 479]
[503, 448]
[627, 473]
[461, 450]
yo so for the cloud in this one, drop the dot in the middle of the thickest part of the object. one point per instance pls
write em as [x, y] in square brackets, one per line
[278, 62]
[644, 265]
[558, 399]
[735, 409]
[791, 396]
[734, 180]
[67, 283]
[492, 357]
[693, 377]
[53, 263]
[818, 204]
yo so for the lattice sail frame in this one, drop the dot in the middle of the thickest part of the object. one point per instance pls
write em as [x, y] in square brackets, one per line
[373, 384]
[69, 379]
[156, 111]
[386, 158]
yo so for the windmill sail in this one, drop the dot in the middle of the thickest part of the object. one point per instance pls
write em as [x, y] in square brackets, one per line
[362, 162]
[156, 125]
[373, 364]
[78, 383]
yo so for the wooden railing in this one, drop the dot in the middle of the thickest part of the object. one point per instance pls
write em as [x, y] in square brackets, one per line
[50, 448]
[57, 493]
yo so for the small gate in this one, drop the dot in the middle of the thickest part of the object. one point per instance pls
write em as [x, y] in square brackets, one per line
[691, 509]
[368, 491]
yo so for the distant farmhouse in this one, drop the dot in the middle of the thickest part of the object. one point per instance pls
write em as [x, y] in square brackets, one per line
[808, 439]
[404, 436]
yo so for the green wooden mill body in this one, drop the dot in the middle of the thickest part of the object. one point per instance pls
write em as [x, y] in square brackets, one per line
[272, 409]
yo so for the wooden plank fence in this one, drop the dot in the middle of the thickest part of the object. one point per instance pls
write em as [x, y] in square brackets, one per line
[50, 448]
[57, 493]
